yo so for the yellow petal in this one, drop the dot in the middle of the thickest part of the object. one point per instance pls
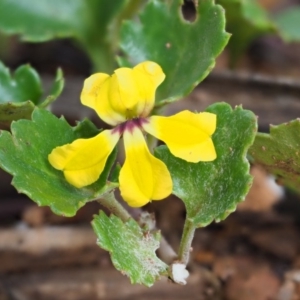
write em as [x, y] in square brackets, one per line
[96, 95]
[143, 177]
[91, 87]
[207, 122]
[134, 89]
[187, 134]
[127, 94]
[148, 75]
[152, 70]
[84, 160]
[105, 109]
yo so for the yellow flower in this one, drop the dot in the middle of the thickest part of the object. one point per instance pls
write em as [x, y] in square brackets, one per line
[125, 101]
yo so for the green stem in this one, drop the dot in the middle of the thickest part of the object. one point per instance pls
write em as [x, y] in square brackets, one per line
[109, 201]
[186, 242]
[128, 12]
[102, 56]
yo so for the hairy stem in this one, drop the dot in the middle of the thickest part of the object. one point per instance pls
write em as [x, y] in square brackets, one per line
[166, 252]
[186, 242]
[111, 203]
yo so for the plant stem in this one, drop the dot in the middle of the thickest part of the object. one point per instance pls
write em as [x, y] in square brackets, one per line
[166, 252]
[102, 56]
[109, 201]
[186, 241]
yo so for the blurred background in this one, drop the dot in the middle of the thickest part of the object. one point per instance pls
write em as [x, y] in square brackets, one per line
[253, 254]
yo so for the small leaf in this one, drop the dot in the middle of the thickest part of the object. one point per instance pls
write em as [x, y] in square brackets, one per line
[165, 37]
[114, 176]
[19, 94]
[14, 111]
[25, 85]
[56, 89]
[24, 154]
[211, 190]
[246, 20]
[279, 153]
[85, 130]
[132, 249]
[288, 24]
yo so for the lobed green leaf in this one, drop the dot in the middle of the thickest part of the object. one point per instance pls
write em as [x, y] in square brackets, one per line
[279, 153]
[186, 51]
[19, 94]
[24, 154]
[24, 85]
[132, 249]
[211, 190]
[56, 89]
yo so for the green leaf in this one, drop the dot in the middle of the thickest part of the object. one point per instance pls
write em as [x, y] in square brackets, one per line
[88, 21]
[132, 249]
[14, 111]
[288, 24]
[279, 152]
[246, 20]
[56, 89]
[24, 154]
[20, 93]
[43, 20]
[211, 190]
[186, 51]
[115, 173]
[24, 85]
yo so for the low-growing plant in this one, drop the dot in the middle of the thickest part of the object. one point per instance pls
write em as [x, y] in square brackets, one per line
[161, 58]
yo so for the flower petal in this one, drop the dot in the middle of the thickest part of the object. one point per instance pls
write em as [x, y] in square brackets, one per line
[84, 160]
[135, 93]
[128, 93]
[148, 75]
[125, 94]
[143, 177]
[186, 134]
[95, 94]
[153, 71]
[91, 87]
